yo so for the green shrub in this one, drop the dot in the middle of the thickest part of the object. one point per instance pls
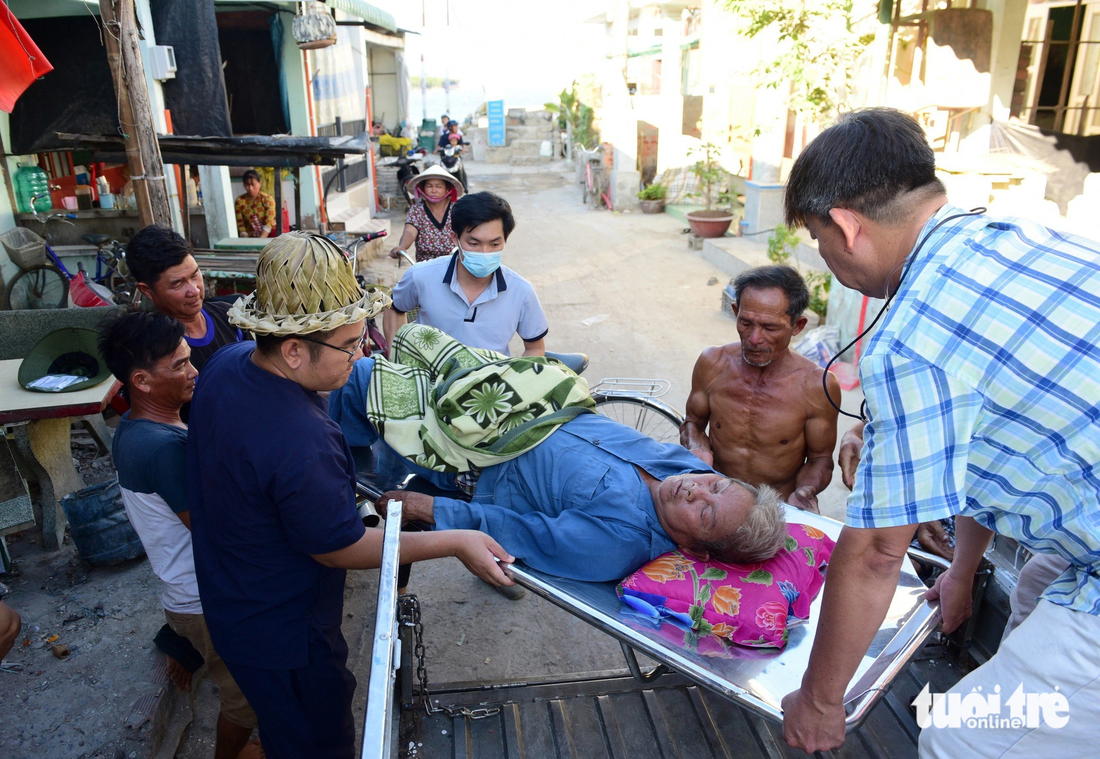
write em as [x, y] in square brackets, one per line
[781, 246]
[655, 191]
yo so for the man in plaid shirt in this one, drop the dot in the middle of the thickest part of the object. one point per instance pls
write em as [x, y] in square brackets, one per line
[983, 401]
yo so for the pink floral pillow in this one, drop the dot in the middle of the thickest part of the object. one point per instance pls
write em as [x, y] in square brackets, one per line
[747, 604]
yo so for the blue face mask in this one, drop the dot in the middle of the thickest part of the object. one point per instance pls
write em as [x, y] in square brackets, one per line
[481, 264]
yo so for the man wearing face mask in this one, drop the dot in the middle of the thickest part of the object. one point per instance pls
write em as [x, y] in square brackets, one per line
[469, 294]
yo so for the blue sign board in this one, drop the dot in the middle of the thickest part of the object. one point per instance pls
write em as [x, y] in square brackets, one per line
[496, 123]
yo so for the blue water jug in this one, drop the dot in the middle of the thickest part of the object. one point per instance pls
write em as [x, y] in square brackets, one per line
[32, 188]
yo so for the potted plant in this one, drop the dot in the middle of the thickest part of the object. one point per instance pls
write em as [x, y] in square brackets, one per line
[652, 198]
[709, 222]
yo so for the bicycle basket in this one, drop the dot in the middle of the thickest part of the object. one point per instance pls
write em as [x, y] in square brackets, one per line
[25, 249]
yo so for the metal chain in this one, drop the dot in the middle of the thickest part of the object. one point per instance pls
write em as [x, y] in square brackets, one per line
[408, 614]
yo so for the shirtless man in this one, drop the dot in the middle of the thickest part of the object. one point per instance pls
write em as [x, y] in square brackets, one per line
[770, 422]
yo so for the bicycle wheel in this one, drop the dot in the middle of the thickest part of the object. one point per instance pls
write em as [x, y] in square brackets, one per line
[41, 287]
[651, 418]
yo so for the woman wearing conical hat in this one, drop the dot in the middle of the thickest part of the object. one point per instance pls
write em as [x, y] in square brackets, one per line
[428, 223]
[272, 497]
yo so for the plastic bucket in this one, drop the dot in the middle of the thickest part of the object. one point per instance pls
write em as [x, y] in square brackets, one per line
[99, 526]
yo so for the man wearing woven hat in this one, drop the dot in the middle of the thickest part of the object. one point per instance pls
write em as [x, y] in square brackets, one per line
[273, 502]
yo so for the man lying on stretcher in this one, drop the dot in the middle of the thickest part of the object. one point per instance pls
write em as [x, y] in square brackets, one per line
[588, 499]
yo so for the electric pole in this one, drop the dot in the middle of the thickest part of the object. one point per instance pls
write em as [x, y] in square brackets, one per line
[135, 114]
[423, 76]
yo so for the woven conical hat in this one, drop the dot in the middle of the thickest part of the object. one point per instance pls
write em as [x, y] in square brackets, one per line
[435, 172]
[304, 283]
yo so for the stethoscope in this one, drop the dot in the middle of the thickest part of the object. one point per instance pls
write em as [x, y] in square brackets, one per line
[862, 416]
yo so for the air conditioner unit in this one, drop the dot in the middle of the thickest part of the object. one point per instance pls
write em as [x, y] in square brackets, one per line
[162, 62]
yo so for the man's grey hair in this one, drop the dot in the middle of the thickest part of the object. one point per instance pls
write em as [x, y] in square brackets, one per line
[759, 537]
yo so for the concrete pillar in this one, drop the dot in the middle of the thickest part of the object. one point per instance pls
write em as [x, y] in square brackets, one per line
[767, 147]
[670, 146]
[7, 211]
[620, 124]
[1008, 30]
[217, 202]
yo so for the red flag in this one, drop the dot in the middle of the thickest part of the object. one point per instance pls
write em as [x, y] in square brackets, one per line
[21, 62]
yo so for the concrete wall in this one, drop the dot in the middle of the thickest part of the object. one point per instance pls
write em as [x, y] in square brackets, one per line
[21, 330]
[382, 64]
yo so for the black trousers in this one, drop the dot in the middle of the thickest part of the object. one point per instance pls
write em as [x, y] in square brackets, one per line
[304, 712]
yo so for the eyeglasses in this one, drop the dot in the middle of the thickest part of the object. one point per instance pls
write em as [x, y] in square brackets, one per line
[351, 353]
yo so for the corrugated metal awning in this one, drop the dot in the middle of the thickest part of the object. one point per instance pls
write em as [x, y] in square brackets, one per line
[367, 12]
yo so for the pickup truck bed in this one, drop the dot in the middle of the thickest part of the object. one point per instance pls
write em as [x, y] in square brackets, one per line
[612, 715]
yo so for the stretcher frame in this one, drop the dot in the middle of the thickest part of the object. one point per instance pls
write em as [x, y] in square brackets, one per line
[758, 680]
[762, 677]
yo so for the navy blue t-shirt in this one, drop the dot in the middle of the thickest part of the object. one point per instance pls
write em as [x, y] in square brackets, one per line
[271, 480]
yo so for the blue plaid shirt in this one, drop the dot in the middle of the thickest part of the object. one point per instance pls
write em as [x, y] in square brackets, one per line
[983, 391]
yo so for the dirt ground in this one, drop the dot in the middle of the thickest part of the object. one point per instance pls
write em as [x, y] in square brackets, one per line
[623, 288]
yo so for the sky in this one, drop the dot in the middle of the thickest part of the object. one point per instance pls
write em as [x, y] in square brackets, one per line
[521, 51]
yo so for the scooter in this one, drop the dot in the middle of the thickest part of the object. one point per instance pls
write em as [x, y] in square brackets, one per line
[450, 157]
[406, 169]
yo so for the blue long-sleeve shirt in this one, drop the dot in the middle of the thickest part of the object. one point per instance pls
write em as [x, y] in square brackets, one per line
[574, 506]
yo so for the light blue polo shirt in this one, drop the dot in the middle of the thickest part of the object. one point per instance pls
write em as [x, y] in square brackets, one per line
[508, 305]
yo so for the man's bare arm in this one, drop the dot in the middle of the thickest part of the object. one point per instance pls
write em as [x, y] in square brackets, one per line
[820, 433]
[693, 432]
[851, 448]
[474, 549]
[534, 347]
[863, 574]
[955, 587]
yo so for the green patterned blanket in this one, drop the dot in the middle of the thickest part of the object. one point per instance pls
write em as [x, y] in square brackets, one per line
[451, 408]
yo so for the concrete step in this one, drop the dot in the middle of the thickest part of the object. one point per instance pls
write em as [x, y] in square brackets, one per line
[530, 160]
[351, 217]
[734, 255]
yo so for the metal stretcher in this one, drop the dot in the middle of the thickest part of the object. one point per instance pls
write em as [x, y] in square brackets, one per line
[757, 680]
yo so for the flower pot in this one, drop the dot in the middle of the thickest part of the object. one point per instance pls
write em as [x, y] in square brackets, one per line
[709, 224]
[652, 206]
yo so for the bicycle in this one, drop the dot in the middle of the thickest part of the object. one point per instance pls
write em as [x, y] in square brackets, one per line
[46, 284]
[631, 401]
[372, 338]
[595, 189]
